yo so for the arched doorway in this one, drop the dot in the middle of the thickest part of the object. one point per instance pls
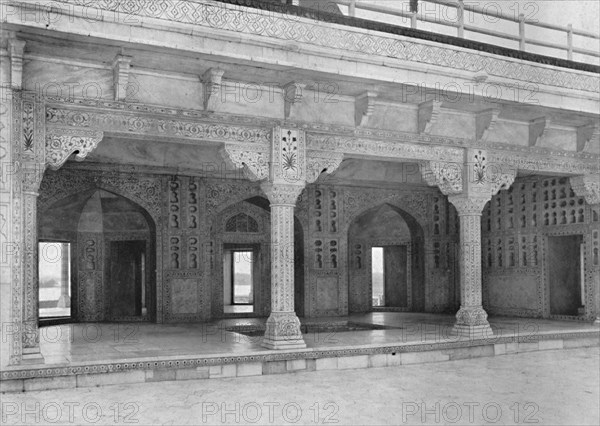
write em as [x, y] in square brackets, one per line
[112, 255]
[386, 261]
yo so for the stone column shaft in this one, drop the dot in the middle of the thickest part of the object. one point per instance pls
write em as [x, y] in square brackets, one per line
[283, 326]
[471, 319]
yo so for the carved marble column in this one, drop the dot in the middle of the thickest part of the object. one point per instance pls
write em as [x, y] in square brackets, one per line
[284, 167]
[36, 147]
[469, 186]
[283, 326]
[471, 318]
[588, 187]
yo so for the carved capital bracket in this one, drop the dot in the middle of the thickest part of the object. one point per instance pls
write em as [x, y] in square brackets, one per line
[282, 193]
[485, 179]
[364, 105]
[485, 121]
[16, 50]
[446, 176]
[254, 163]
[429, 112]
[121, 67]
[588, 187]
[292, 95]
[62, 143]
[211, 81]
[588, 138]
[318, 162]
[537, 127]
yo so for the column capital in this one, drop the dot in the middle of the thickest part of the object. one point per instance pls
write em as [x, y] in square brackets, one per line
[588, 187]
[31, 176]
[468, 206]
[282, 193]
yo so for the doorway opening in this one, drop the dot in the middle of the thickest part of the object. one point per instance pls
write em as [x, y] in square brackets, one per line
[377, 276]
[238, 273]
[54, 275]
[390, 272]
[565, 274]
[128, 279]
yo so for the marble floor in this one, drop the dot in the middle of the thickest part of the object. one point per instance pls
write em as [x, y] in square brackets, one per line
[549, 388]
[96, 342]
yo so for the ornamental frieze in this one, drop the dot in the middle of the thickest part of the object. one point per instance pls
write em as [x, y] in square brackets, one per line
[304, 31]
[386, 149]
[138, 123]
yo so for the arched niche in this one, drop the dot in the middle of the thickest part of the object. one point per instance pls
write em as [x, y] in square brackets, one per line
[113, 251]
[247, 223]
[401, 238]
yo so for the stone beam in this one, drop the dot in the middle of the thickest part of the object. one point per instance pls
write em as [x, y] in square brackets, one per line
[209, 127]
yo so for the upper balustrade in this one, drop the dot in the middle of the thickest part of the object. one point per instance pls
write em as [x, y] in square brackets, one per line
[509, 24]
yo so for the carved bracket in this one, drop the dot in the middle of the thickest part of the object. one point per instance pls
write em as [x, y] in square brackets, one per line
[364, 105]
[588, 138]
[62, 143]
[16, 50]
[485, 121]
[254, 163]
[121, 68]
[588, 187]
[212, 80]
[537, 127]
[318, 162]
[447, 176]
[292, 95]
[429, 112]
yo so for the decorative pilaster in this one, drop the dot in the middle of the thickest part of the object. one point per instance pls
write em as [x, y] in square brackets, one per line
[31, 175]
[283, 326]
[588, 187]
[469, 186]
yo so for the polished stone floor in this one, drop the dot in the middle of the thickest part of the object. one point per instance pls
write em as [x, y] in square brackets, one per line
[95, 342]
[547, 388]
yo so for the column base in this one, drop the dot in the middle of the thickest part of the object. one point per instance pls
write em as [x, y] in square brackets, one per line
[32, 356]
[283, 332]
[473, 332]
[472, 323]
